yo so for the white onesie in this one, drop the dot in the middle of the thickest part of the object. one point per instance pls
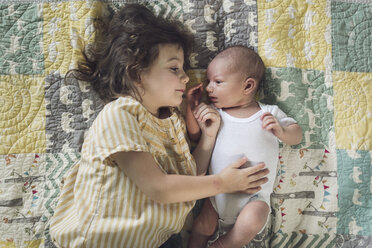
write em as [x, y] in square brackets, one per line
[240, 137]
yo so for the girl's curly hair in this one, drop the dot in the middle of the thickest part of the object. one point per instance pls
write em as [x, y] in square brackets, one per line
[126, 46]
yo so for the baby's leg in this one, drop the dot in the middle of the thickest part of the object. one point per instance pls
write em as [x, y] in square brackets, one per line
[204, 226]
[250, 221]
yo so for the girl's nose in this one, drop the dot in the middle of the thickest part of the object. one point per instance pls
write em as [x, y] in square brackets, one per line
[185, 79]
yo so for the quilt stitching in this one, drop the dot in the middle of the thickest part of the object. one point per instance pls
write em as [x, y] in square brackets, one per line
[20, 47]
[352, 32]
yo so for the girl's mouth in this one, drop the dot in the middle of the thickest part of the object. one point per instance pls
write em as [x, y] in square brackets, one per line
[213, 99]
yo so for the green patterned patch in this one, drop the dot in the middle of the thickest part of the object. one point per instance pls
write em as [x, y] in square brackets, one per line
[303, 95]
[352, 37]
[20, 39]
[56, 167]
[354, 169]
[166, 8]
[298, 239]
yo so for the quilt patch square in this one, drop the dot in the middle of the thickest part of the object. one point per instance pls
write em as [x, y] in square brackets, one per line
[29, 194]
[353, 110]
[71, 108]
[167, 8]
[21, 197]
[303, 95]
[22, 114]
[57, 166]
[65, 26]
[304, 194]
[21, 39]
[352, 37]
[227, 23]
[294, 33]
[355, 192]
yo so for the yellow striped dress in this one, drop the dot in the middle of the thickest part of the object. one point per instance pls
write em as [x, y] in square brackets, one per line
[99, 205]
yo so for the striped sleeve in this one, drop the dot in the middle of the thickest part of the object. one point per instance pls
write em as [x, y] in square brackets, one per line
[117, 130]
[182, 120]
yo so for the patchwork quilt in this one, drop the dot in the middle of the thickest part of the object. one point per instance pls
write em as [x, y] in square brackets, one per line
[318, 55]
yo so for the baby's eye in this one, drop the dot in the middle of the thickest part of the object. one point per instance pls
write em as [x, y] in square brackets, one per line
[218, 82]
[174, 69]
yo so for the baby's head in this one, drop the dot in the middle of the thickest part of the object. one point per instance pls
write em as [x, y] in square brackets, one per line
[243, 60]
[237, 72]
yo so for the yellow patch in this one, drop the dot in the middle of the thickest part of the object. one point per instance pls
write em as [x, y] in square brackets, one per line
[34, 243]
[67, 26]
[7, 244]
[22, 114]
[294, 33]
[353, 110]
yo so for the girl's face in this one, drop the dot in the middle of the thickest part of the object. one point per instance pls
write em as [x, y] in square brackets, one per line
[165, 81]
[225, 88]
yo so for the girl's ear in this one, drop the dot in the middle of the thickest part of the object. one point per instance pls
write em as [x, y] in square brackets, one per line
[250, 85]
[139, 87]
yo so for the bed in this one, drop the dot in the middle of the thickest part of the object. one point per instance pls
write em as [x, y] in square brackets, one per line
[318, 55]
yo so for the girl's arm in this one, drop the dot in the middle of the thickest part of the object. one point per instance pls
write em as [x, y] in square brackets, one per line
[291, 134]
[141, 168]
[192, 125]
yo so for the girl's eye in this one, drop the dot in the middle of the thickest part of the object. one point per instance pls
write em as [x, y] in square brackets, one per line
[174, 69]
[218, 82]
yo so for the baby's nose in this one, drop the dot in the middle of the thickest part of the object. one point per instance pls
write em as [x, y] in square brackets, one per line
[209, 88]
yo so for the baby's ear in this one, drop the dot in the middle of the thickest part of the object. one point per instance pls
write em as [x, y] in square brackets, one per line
[250, 85]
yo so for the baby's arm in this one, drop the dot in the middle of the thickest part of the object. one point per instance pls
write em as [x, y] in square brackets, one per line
[291, 134]
[193, 98]
[208, 120]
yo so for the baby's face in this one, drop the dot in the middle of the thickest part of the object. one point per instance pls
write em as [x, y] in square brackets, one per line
[226, 87]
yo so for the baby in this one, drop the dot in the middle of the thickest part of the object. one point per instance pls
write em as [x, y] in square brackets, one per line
[248, 129]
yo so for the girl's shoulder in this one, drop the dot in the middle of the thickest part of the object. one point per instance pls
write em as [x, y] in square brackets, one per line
[129, 106]
[126, 108]
[126, 104]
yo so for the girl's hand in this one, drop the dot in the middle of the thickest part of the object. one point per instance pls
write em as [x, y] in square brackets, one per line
[208, 119]
[194, 95]
[247, 180]
[270, 123]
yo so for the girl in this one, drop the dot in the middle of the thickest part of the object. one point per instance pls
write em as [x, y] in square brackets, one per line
[137, 181]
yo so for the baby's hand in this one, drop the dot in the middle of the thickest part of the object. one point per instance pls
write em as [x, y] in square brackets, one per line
[194, 95]
[270, 123]
[208, 119]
